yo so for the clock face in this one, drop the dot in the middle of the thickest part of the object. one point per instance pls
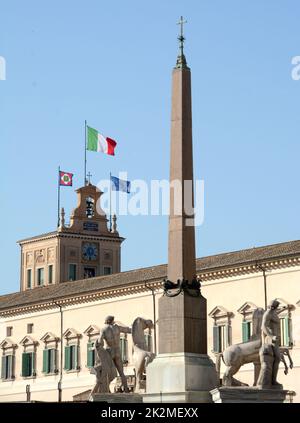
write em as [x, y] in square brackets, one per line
[89, 251]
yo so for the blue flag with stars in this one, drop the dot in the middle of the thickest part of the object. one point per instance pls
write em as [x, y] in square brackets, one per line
[120, 184]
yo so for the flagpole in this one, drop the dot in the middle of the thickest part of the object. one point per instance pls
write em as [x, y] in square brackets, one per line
[58, 198]
[85, 153]
[110, 226]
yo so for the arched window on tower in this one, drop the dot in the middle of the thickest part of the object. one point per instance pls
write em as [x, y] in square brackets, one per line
[90, 207]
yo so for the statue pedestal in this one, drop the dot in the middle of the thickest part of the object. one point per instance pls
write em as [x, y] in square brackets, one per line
[116, 398]
[180, 377]
[237, 394]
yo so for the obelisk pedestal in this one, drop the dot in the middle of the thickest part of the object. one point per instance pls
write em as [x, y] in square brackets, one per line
[188, 374]
[182, 371]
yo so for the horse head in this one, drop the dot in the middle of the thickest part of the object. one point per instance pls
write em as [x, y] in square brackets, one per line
[256, 323]
[138, 327]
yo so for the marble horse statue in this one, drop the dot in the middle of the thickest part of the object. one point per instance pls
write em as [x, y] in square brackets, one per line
[237, 355]
[141, 357]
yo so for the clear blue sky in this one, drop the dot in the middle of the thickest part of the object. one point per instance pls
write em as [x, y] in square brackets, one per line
[110, 63]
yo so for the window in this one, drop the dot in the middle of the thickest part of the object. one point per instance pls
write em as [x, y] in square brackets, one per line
[7, 367]
[285, 332]
[49, 360]
[284, 312]
[124, 349]
[90, 207]
[72, 272]
[29, 281]
[71, 357]
[9, 330]
[91, 354]
[29, 327]
[50, 274]
[221, 337]
[221, 328]
[89, 272]
[28, 364]
[40, 276]
[246, 330]
[107, 270]
[251, 322]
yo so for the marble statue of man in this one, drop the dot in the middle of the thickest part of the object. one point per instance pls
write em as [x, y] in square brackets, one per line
[110, 333]
[270, 352]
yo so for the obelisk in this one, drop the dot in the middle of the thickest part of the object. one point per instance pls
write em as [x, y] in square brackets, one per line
[182, 371]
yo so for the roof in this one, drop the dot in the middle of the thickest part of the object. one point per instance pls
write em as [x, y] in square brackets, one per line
[36, 237]
[68, 233]
[155, 273]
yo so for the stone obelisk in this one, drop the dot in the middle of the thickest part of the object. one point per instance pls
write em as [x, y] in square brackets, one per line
[182, 371]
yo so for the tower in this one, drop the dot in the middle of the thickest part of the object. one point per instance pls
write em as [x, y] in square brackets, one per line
[182, 371]
[82, 249]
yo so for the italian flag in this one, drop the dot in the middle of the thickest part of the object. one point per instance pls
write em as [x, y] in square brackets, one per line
[98, 142]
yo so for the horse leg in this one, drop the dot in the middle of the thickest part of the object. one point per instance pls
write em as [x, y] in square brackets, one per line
[228, 374]
[286, 370]
[290, 359]
[256, 372]
[137, 382]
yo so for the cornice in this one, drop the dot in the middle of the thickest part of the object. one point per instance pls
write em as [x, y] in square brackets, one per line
[246, 269]
[94, 237]
[38, 239]
[154, 283]
[83, 298]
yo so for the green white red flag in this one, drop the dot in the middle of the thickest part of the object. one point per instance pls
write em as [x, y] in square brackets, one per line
[98, 142]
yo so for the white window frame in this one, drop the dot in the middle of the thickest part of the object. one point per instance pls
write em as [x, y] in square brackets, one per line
[222, 319]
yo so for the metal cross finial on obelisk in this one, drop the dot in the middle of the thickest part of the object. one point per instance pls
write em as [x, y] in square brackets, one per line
[181, 60]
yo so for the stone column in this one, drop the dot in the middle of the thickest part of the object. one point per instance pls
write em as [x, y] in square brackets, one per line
[182, 371]
[182, 319]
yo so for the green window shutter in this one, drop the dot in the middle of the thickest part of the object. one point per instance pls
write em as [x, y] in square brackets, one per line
[245, 331]
[23, 364]
[9, 368]
[90, 354]
[32, 369]
[290, 332]
[227, 334]
[72, 272]
[3, 367]
[52, 360]
[216, 338]
[125, 349]
[46, 361]
[13, 359]
[29, 278]
[76, 357]
[286, 331]
[26, 364]
[67, 358]
[50, 273]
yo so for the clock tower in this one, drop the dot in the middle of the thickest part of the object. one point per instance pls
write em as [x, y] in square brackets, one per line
[82, 249]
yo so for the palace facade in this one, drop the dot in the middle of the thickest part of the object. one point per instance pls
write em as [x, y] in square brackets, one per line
[48, 329]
